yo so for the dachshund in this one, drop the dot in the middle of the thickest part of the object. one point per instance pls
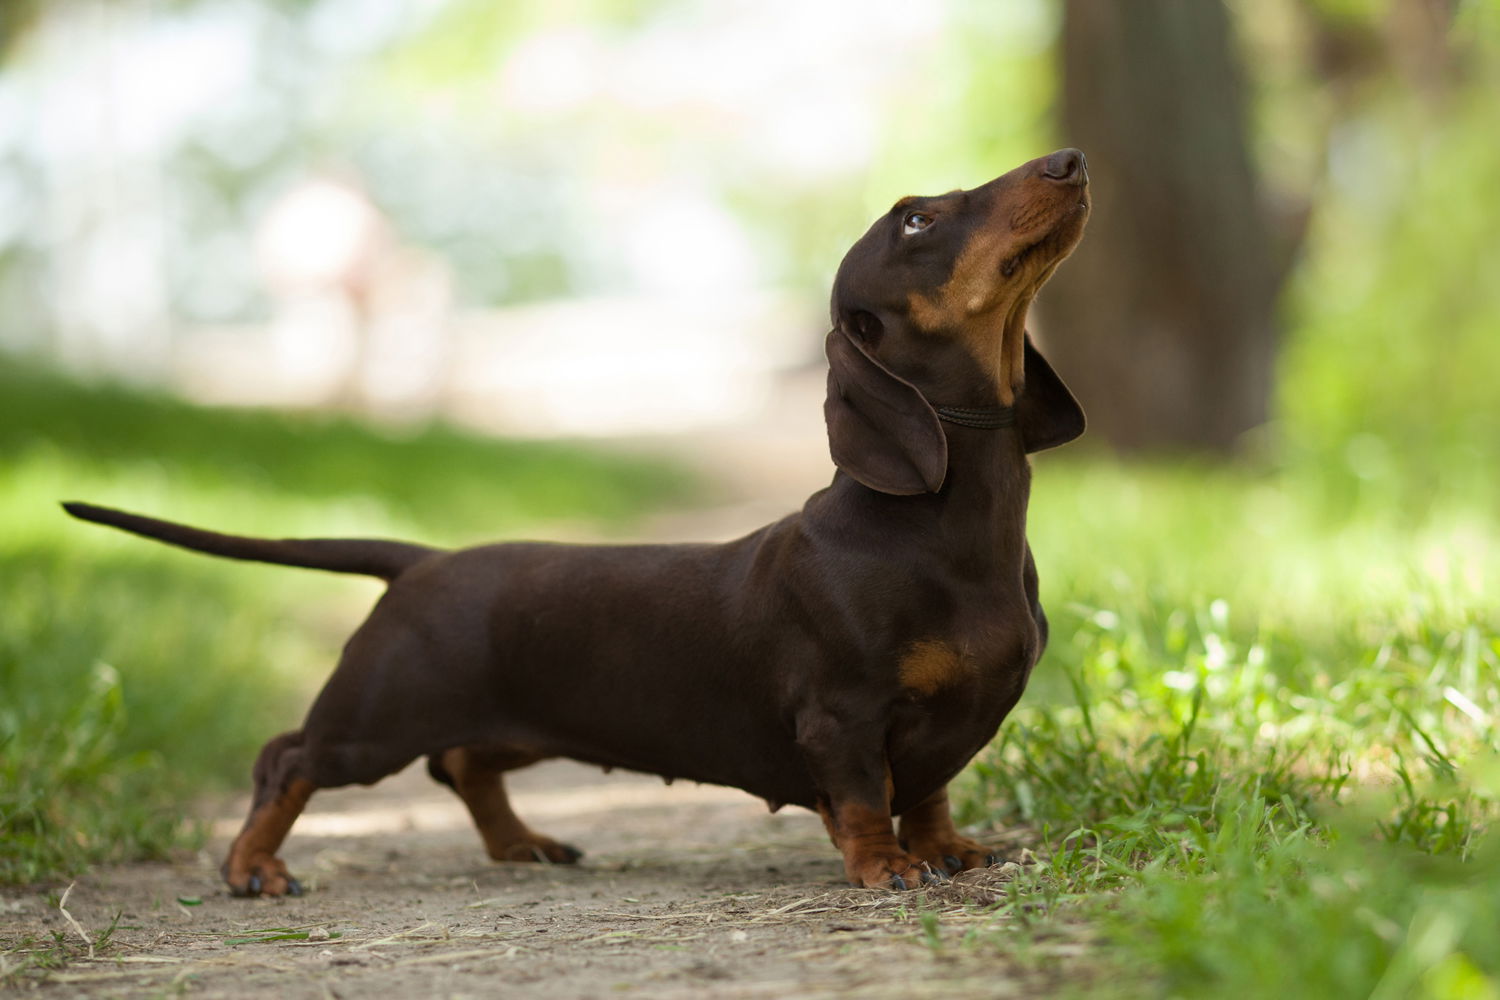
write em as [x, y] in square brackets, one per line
[850, 658]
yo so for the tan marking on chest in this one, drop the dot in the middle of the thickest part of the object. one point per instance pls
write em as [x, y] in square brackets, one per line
[929, 666]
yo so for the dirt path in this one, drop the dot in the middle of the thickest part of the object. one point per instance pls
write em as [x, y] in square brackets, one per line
[685, 891]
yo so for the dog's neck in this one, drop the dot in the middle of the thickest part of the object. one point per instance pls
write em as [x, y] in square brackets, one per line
[989, 460]
[984, 418]
[981, 509]
[978, 517]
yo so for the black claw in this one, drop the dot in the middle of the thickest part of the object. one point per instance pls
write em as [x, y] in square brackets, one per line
[991, 860]
[952, 863]
[293, 887]
[570, 854]
[897, 882]
[933, 878]
[253, 889]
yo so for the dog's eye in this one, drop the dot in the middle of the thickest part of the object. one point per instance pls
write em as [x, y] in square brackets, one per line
[915, 223]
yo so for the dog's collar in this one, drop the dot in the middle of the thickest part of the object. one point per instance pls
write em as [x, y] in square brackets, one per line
[983, 417]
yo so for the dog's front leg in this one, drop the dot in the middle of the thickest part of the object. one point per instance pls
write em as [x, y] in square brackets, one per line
[927, 830]
[849, 768]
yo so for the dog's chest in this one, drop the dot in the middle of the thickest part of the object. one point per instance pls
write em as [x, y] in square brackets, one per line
[984, 652]
[954, 693]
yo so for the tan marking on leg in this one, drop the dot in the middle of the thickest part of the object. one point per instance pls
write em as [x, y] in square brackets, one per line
[867, 839]
[930, 665]
[928, 832]
[865, 835]
[506, 838]
[253, 853]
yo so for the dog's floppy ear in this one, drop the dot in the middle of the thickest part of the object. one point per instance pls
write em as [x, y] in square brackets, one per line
[1046, 411]
[881, 431]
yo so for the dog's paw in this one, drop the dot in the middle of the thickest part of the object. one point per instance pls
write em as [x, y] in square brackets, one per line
[262, 875]
[954, 855]
[892, 871]
[537, 848]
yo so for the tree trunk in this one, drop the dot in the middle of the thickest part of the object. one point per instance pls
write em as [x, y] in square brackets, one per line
[1163, 321]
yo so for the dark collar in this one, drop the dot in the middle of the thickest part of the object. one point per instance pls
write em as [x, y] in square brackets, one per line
[983, 417]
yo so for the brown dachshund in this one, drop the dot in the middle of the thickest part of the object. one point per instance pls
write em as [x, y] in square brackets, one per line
[850, 658]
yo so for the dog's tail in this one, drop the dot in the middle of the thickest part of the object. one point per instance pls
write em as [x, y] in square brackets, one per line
[367, 556]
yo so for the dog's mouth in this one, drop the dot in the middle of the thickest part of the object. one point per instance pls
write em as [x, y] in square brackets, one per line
[1054, 244]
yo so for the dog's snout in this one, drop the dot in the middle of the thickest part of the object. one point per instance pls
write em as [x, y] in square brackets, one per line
[1066, 166]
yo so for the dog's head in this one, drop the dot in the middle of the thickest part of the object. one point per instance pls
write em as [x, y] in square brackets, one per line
[930, 305]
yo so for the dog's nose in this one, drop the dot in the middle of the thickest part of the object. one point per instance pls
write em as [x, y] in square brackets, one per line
[1066, 166]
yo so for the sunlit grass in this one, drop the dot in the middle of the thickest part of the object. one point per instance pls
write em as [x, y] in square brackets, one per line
[1261, 752]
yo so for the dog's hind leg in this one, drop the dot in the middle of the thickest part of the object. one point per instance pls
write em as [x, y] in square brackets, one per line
[282, 789]
[478, 778]
[289, 769]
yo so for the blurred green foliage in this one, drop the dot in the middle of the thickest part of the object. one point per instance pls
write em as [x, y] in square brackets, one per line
[1388, 374]
[450, 485]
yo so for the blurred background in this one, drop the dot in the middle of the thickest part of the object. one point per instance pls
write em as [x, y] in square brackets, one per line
[611, 218]
[458, 269]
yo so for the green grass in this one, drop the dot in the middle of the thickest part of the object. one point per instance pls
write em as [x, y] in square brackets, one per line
[1261, 753]
[134, 676]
